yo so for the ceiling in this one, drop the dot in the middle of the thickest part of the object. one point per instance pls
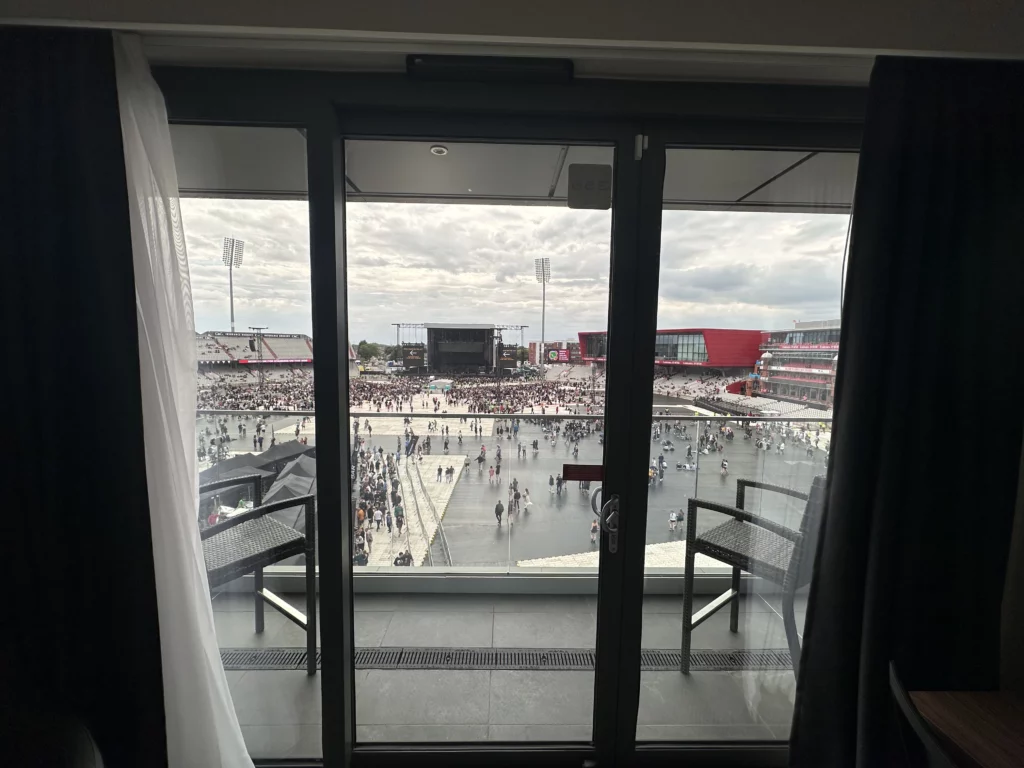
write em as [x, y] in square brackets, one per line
[638, 63]
[219, 161]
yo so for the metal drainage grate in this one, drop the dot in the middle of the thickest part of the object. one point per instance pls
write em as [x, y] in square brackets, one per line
[723, 660]
[496, 658]
[263, 658]
[729, 660]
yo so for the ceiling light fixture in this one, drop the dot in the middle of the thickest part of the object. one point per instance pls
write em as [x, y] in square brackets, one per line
[439, 150]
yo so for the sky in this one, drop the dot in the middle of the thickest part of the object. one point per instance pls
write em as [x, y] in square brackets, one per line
[422, 263]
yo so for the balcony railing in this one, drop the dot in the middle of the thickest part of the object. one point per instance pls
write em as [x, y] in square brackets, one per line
[550, 536]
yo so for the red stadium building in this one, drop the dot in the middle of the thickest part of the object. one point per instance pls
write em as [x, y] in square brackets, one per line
[715, 348]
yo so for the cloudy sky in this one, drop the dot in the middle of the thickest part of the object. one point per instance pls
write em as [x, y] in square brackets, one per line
[419, 263]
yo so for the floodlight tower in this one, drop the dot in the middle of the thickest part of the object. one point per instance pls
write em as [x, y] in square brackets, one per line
[542, 269]
[232, 255]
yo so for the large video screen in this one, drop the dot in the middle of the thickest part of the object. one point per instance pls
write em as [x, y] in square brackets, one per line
[558, 355]
[508, 356]
[412, 355]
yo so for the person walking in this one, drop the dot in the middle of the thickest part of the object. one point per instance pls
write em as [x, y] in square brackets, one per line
[439, 473]
[499, 510]
[388, 520]
[516, 496]
[551, 484]
[594, 530]
[490, 476]
[378, 517]
[261, 442]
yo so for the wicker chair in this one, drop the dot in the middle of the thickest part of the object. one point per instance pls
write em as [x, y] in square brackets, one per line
[758, 546]
[252, 540]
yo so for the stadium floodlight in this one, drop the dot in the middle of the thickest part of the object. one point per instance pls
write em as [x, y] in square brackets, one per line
[232, 255]
[542, 269]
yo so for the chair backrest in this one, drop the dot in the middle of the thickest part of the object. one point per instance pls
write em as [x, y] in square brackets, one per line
[801, 565]
[934, 756]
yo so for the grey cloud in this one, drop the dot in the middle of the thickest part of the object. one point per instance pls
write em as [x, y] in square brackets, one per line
[474, 263]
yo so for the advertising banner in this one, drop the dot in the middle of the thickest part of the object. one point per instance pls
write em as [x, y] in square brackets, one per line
[413, 355]
[558, 355]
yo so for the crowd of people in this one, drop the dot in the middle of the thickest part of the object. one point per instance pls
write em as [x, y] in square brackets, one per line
[685, 385]
[285, 390]
[478, 395]
[379, 504]
[292, 389]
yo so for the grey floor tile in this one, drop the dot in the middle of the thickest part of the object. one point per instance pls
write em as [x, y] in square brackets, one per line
[420, 733]
[774, 600]
[291, 635]
[704, 733]
[662, 630]
[540, 732]
[441, 629]
[422, 697]
[232, 601]
[545, 630]
[541, 698]
[756, 630]
[370, 627]
[761, 629]
[269, 741]
[425, 602]
[237, 629]
[701, 698]
[770, 694]
[277, 697]
[545, 603]
[233, 676]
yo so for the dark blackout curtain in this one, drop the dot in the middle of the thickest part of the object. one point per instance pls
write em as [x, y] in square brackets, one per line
[928, 436]
[80, 635]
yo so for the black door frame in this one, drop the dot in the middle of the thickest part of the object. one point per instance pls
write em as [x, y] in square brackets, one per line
[625, 456]
[323, 105]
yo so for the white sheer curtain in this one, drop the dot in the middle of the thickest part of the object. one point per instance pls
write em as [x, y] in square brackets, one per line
[202, 730]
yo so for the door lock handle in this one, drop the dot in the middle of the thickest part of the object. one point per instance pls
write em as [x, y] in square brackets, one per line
[610, 522]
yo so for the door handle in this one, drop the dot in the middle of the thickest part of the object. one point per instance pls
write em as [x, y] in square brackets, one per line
[609, 517]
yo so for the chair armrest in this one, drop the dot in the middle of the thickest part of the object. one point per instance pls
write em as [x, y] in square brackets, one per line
[740, 514]
[742, 485]
[252, 514]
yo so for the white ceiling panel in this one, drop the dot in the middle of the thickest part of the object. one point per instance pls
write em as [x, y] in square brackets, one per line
[222, 161]
[229, 161]
[407, 171]
[762, 180]
[826, 180]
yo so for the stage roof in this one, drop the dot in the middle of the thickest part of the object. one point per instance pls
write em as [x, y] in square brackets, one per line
[269, 163]
[459, 326]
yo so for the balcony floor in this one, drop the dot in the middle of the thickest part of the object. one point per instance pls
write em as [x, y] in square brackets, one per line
[281, 716]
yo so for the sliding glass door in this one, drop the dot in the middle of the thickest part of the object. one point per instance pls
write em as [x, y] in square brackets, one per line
[556, 364]
[491, 436]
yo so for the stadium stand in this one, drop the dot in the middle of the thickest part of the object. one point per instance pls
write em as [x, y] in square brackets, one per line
[214, 346]
[287, 347]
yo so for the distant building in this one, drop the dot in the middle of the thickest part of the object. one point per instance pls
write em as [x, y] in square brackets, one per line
[799, 364]
[716, 348]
